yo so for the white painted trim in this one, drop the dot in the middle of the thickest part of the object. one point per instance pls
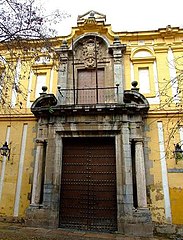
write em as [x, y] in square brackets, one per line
[156, 99]
[13, 98]
[16, 81]
[35, 175]
[132, 72]
[181, 136]
[164, 173]
[173, 76]
[29, 89]
[51, 81]
[4, 163]
[20, 171]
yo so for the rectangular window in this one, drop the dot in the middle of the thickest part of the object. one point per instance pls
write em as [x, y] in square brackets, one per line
[40, 82]
[144, 80]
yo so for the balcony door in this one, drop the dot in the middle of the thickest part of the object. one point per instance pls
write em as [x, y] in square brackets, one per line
[87, 90]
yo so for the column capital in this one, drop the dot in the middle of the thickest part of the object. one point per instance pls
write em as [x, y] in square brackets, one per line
[41, 140]
[137, 140]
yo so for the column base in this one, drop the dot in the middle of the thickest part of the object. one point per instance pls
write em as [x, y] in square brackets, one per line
[137, 224]
[38, 216]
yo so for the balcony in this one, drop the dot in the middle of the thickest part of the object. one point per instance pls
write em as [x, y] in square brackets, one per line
[88, 96]
[109, 100]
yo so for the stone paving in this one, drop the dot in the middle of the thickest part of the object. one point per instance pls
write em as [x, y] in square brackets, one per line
[11, 231]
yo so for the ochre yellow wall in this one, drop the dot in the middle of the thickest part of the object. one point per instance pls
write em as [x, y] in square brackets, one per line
[155, 188]
[176, 196]
[171, 136]
[12, 166]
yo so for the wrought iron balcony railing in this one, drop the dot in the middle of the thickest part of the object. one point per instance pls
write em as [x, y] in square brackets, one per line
[88, 96]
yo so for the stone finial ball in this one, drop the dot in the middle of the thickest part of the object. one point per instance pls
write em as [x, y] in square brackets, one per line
[44, 88]
[134, 84]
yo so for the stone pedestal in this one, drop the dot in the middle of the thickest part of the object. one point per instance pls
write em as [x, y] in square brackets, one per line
[38, 216]
[38, 171]
[140, 175]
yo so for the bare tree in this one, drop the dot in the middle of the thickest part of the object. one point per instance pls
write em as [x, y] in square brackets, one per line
[25, 33]
[171, 104]
[23, 19]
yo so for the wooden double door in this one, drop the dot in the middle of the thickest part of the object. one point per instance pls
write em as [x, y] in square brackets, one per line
[88, 185]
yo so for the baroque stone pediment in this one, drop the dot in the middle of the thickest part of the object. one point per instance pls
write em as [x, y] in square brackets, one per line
[98, 17]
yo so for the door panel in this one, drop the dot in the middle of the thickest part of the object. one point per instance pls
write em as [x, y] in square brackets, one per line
[87, 84]
[88, 191]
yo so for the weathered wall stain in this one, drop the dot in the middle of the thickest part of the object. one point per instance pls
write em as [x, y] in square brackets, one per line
[176, 196]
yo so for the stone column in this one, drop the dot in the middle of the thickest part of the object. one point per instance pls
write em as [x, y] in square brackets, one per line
[53, 169]
[127, 173]
[62, 71]
[140, 175]
[118, 48]
[38, 171]
[119, 176]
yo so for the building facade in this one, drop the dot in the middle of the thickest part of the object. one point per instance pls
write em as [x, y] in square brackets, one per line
[96, 142]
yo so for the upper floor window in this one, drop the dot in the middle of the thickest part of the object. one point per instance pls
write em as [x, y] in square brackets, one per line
[143, 71]
[42, 75]
[40, 82]
[144, 80]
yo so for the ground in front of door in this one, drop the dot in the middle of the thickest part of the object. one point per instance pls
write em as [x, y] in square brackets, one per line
[11, 231]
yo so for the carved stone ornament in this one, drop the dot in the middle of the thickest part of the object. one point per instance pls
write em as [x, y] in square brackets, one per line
[87, 50]
[89, 53]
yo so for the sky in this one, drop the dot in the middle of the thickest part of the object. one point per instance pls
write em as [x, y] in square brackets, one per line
[130, 15]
